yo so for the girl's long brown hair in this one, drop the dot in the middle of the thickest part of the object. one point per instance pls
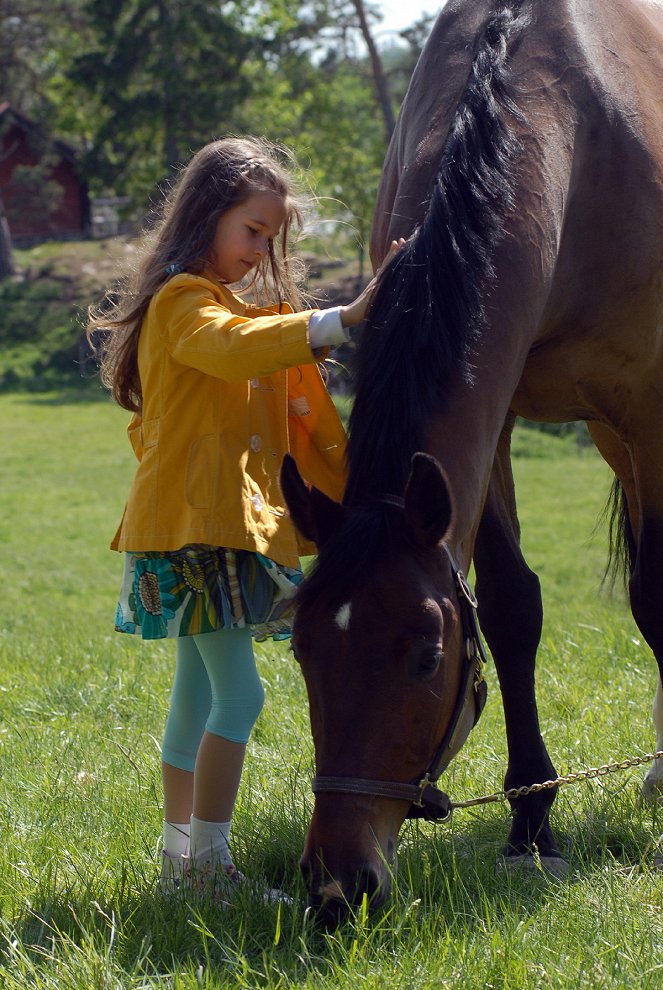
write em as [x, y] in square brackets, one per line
[220, 176]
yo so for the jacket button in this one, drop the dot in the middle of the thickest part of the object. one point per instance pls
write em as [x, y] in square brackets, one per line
[255, 442]
[258, 503]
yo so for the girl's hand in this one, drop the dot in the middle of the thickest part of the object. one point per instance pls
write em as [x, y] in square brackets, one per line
[355, 311]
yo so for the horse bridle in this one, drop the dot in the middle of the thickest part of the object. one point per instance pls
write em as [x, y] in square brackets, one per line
[425, 799]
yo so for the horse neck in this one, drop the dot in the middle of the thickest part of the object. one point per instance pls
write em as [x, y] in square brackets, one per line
[522, 234]
[464, 435]
[464, 442]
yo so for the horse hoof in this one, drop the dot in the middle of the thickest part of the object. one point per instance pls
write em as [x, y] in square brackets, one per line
[549, 866]
[651, 791]
[658, 855]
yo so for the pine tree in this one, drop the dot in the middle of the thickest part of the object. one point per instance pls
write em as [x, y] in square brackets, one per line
[165, 75]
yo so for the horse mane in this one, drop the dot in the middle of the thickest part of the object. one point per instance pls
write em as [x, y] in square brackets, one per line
[428, 309]
[348, 555]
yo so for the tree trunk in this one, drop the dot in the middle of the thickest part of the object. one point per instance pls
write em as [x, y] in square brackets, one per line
[379, 77]
[7, 266]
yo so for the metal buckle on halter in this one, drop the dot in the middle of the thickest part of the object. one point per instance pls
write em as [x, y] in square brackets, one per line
[422, 785]
[435, 805]
[464, 586]
[479, 678]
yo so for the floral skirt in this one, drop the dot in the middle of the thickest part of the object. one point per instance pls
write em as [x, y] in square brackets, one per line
[199, 589]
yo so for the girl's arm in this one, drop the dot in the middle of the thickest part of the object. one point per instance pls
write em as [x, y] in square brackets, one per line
[201, 331]
[329, 327]
[356, 311]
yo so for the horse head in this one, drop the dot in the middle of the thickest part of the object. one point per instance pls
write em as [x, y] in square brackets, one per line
[381, 634]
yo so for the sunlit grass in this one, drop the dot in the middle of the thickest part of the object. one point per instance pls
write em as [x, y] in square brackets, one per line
[81, 716]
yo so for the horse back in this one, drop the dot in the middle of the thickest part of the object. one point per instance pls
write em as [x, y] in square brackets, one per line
[586, 230]
[595, 67]
[597, 350]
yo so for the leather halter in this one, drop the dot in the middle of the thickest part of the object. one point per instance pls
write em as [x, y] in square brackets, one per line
[425, 799]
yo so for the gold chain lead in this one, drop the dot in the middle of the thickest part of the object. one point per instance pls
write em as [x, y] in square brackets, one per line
[569, 778]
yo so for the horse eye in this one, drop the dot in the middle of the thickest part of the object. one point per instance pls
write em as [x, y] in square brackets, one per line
[429, 662]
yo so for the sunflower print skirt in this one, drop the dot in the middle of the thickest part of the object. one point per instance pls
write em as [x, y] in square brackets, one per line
[199, 589]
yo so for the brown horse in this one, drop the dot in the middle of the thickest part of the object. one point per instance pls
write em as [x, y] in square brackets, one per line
[527, 172]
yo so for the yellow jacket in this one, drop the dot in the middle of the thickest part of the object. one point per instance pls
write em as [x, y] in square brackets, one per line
[227, 390]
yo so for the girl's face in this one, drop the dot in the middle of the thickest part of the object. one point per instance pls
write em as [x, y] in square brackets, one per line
[243, 234]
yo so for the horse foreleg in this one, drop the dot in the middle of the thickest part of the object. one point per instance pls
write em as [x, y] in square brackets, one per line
[511, 616]
[646, 589]
[652, 787]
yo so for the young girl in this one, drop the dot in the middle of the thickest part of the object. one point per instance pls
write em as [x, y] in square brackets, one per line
[220, 389]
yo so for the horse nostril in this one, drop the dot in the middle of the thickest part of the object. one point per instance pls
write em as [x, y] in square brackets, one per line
[333, 902]
[306, 870]
[369, 884]
[364, 882]
[331, 914]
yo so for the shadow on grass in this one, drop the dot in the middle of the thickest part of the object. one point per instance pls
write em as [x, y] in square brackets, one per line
[447, 886]
[62, 395]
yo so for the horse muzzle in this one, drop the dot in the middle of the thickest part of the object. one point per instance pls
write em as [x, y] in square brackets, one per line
[345, 862]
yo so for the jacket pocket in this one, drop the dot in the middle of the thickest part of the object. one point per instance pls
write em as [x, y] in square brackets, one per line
[201, 468]
[150, 432]
[143, 434]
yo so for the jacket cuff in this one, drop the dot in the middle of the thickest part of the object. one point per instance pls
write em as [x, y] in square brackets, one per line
[325, 328]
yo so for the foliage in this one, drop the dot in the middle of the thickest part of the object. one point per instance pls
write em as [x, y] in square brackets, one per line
[38, 339]
[534, 440]
[38, 39]
[43, 311]
[164, 77]
[136, 85]
[83, 710]
[299, 106]
[168, 77]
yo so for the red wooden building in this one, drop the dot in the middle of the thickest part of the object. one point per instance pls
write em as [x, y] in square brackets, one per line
[22, 143]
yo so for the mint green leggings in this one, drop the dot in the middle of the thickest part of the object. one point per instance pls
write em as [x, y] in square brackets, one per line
[216, 688]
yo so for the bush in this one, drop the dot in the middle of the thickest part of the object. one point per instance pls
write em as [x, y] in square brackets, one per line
[40, 328]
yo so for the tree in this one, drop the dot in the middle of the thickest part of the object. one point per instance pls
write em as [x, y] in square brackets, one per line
[379, 78]
[325, 112]
[165, 76]
[139, 84]
[7, 266]
[36, 40]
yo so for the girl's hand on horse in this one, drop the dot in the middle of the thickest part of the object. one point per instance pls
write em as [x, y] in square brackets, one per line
[355, 311]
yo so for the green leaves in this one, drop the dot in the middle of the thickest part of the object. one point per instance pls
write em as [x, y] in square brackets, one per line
[137, 85]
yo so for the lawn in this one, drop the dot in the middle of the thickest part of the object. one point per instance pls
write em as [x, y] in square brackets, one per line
[81, 715]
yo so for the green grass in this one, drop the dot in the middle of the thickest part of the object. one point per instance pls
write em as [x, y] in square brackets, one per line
[81, 716]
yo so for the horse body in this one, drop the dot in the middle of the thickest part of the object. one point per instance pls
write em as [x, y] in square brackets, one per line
[583, 257]
[538, 258]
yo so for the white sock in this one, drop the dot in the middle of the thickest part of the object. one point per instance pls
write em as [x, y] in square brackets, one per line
[209, 842]
[176, 839]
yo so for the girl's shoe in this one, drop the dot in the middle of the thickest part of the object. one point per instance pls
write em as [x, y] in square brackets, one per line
[222, 882]
[172, 871]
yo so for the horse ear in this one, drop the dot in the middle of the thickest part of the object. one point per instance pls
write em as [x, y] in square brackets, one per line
[314, 514]
[428, 505]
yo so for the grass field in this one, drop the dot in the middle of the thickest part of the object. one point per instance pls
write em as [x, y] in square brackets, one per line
[81, 715]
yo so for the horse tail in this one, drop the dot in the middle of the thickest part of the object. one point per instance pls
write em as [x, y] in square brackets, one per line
[621, 541]
[428, 308]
